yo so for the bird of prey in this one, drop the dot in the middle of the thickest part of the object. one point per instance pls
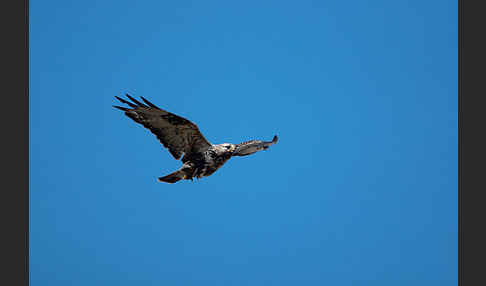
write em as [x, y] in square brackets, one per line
[181, 136]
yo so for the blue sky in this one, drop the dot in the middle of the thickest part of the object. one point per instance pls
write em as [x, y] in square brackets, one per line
[361, 188]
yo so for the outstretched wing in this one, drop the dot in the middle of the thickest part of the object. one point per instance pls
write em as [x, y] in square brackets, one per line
[253, 146]
[176, 133]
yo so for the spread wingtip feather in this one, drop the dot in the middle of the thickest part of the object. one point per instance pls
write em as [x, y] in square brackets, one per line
[149, 103]
[136, 101]
[126, 102]
[121, 108]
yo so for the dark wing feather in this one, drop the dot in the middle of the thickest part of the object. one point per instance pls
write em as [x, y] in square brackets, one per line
[253, 146]
[176, 133]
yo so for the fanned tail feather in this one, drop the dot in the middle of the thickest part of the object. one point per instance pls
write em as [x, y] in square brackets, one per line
[172, 178]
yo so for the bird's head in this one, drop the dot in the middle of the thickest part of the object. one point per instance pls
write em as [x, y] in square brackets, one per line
[228, 147]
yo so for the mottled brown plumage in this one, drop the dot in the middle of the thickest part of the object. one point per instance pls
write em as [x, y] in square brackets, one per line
[181, 136]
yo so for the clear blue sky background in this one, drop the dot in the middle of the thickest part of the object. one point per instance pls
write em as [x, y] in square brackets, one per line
[360, 190]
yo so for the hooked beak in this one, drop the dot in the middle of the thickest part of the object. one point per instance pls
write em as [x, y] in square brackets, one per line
[232, 150]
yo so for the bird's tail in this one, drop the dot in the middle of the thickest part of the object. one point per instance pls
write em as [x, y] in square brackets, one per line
[173, 177]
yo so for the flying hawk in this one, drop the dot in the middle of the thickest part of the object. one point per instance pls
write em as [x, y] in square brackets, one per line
[181, 136]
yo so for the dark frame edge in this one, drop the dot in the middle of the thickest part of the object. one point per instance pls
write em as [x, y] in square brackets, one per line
[27, 85]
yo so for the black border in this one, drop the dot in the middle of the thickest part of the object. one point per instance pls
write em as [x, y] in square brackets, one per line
[472, 143]
[14, 209]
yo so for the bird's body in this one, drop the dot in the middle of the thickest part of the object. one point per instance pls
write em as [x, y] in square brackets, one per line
[180, 136]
